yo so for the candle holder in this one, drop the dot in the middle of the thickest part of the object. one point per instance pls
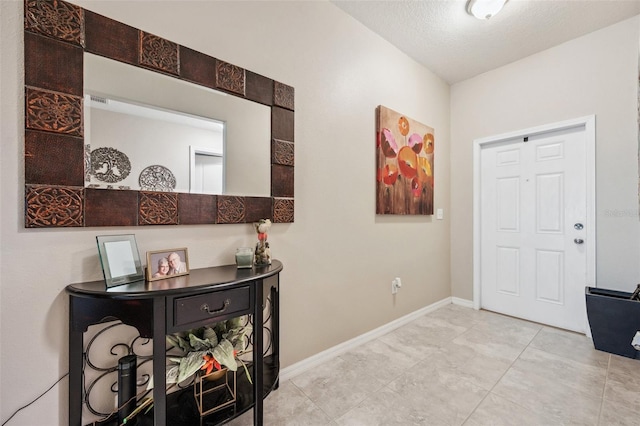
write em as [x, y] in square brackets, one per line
[244, 257]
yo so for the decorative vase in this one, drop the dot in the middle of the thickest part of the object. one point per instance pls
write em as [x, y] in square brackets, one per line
[261, 256]
[262, 253]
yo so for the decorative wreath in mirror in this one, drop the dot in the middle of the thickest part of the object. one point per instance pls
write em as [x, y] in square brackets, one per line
[109, 165]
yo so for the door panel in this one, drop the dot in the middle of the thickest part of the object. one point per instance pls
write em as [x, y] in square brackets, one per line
[507, 273]
[531, 194]
[550, 276]
[549, 206]
[508, 201]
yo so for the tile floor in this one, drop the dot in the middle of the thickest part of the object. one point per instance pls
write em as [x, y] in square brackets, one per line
[458, 366]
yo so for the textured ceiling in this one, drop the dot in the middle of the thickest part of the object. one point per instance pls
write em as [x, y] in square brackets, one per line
[455, 46]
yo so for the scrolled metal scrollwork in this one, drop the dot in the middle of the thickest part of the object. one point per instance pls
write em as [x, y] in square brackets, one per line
[159, 53]
[231, 209]
[230, 77]
[54, 206]
[158, 208]
[283, 95]
[157, 178]
[100, 373]
[87, 162]
[58, 19]
[109, 165]
[53, 112]
[283, 152]
[267, 328]
[282, 210]
[104, 377]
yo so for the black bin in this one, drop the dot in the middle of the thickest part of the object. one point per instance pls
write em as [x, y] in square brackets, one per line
[614, 320]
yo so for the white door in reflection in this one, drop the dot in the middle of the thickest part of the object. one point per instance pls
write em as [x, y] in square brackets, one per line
[207, 172]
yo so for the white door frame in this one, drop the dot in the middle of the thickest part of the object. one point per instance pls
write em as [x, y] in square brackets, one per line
[589, 123]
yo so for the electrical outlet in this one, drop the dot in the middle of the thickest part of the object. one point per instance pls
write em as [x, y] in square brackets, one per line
[395, 285]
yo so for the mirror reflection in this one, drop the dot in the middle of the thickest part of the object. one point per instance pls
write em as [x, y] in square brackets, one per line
[169, 149]
[148, 131]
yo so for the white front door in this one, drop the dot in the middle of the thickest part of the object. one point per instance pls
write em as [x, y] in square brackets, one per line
[534, 220]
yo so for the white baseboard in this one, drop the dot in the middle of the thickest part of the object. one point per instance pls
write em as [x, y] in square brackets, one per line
[321, 357]
[462, 302]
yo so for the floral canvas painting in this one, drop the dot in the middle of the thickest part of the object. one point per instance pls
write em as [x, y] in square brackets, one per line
[404, 157]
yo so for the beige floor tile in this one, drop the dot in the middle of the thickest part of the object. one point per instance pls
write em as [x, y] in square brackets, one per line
[443, 328]
[459, 366]
[507, 329]
[581, 378]
[383, 361]
[439, 392]
[482, 370]
[616, 414]
[388, 408]
[568, 344]
[497, 411]
[337, 386]
[622, 368]
[287, 406]
[456, 315]
[560, 402]
[491, 343]
[423, 335]
[623, 381]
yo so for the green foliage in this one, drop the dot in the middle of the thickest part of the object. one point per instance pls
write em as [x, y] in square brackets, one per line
[223, 353]
[222, 340]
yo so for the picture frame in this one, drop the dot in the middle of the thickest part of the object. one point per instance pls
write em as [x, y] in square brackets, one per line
[120, 259]
[162, 263]
[404, 162]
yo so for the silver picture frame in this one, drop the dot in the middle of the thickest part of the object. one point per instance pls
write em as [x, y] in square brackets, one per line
[120, 259]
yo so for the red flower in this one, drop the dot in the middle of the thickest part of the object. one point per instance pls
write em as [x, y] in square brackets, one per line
[388, 174]
[416, 187]
[210, 364]
[262, 236]
[407, 162]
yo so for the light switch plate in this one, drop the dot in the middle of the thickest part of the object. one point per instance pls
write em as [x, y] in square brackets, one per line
[439, 214]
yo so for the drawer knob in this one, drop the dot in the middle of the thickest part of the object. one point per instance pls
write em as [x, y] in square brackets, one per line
[205, 307]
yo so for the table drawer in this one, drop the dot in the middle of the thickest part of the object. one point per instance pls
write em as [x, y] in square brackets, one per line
[206, 307]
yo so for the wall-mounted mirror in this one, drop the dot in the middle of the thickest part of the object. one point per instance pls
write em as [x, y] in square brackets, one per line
[183, 138]
[68, 50]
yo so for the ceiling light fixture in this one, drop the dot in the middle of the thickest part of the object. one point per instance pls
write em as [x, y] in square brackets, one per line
[484, 9]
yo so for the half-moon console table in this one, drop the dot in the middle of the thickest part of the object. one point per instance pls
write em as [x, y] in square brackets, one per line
[176, 304]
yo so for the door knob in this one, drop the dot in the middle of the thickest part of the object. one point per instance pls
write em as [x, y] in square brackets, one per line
[578, 240]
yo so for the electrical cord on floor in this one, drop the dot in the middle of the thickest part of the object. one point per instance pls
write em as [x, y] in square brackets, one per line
[37, 398]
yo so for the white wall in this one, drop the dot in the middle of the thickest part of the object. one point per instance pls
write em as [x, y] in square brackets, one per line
[595, 74]
[147, 142]
[247, 149]
[339, 257]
